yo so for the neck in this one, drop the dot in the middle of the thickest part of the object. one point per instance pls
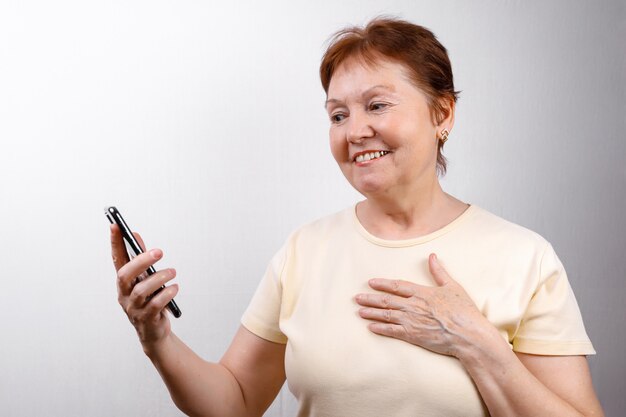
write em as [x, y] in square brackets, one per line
[414, 213]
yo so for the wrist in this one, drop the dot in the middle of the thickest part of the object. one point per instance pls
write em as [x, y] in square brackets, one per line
[158, 348]
[483, 345]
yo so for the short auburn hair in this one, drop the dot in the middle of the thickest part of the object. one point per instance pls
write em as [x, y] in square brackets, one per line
[408, 44]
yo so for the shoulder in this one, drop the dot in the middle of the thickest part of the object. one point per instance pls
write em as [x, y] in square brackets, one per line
[318, 229]
[491, 225]
[499, 237]
[324, 227]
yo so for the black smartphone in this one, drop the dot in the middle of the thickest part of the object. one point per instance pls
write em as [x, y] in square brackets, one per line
[133, 248]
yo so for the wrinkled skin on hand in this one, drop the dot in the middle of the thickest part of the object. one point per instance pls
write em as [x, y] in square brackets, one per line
[442, 319]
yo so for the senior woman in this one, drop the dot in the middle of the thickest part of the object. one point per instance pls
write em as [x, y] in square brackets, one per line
[410, 303]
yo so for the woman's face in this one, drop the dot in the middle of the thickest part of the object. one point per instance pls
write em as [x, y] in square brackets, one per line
[381, 132]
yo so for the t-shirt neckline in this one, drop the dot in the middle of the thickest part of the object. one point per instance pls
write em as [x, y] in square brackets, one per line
[416, 240]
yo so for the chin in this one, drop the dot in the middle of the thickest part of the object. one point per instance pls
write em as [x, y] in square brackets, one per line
[369, 187]
[368, 184]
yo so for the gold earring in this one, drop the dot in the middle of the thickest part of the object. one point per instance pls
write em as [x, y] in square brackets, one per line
[444, 135]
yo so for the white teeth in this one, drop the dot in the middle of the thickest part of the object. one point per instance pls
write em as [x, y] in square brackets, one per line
[371, 155]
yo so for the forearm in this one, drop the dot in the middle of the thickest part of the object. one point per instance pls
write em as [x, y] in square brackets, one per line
[197, 387]
[506, 386]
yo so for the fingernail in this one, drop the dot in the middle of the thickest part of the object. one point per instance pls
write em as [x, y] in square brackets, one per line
[156, 253]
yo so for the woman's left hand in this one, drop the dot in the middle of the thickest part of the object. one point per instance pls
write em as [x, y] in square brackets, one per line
[443, 318]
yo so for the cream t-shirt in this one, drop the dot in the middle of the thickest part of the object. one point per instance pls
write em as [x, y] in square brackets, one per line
[336, 367]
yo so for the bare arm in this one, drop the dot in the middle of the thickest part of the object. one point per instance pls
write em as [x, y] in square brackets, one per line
[243, 383]
[517, 384]
[566, 376]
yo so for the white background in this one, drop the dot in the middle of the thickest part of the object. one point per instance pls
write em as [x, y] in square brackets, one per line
[204, 123]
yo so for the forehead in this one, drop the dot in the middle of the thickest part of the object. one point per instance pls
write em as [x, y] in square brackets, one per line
[356, 75]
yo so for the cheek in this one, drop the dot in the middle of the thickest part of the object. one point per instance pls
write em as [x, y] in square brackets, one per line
[338, 146]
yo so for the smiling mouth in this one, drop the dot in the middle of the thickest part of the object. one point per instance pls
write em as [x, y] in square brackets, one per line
[369, 155]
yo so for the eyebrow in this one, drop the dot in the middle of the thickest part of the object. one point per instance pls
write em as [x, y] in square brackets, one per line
[369, 90]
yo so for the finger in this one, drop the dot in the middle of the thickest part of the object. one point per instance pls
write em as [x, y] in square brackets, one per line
[382, 315]
[129, 271]
[160, 301]
[394, 286]
[140, 240]
[118, 250]
[440, 275]
[381, 301]
[388, 329]
[144, 291]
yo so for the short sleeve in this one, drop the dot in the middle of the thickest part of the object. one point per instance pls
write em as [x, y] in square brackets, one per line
[552, 324]
[263, 313]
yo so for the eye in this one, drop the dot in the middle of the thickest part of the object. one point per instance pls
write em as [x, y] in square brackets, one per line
[377, 106]
[337, 117]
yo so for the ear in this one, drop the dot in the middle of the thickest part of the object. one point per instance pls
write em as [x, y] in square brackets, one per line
[444, 114]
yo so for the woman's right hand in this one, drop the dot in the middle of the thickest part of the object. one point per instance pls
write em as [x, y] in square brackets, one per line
[146, 313]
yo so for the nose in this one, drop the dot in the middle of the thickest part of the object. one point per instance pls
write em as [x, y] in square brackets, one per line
[359, 128]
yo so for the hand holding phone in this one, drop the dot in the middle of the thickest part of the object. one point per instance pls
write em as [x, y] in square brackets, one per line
[134, 249]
